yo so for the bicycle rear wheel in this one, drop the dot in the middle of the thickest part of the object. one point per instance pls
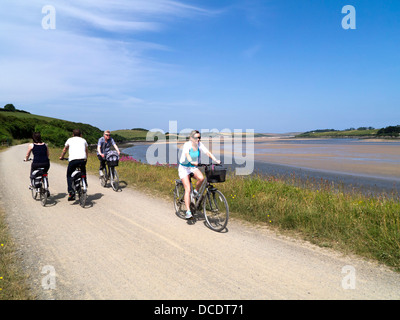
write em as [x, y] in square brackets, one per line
[114, 179]
[82, 198]
[82, 194]
[216, 210]
[43, 196]
[179, 201]
[34, 193]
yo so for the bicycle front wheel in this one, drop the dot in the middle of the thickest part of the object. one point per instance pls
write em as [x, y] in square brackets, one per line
[216, 210]
[114, 179]
[179, 201]
[103, 178]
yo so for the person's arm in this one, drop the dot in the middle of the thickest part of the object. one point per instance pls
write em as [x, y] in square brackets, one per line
[30, 147]
[64, 151]
[189, 158]
[208, 153]
[99, 146]
[99, 150]
[185, 151]
[116, 148]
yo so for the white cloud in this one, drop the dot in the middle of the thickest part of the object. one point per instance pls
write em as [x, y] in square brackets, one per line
[148, 8]
[121, 16]
[70, 66]
[107, 21]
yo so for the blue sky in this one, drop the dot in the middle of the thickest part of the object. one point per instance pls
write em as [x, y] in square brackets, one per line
[272, 66]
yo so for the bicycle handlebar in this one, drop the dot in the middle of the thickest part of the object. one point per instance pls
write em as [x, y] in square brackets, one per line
[208, 164]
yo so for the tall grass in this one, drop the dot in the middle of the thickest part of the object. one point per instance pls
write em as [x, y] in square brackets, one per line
[353, 221]
[13, 282]
[349, 221]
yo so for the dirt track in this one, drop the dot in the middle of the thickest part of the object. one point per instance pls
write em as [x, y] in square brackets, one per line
[128, 245]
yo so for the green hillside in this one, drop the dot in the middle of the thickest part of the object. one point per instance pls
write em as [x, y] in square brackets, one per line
[18, 125]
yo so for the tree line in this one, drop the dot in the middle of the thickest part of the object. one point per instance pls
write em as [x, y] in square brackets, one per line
[390, 131]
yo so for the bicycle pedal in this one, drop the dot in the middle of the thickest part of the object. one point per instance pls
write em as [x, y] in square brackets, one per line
[191, 220]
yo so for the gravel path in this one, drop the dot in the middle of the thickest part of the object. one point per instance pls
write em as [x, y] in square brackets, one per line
[129, 245]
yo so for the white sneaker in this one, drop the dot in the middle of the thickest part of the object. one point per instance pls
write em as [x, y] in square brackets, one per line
[188, 215]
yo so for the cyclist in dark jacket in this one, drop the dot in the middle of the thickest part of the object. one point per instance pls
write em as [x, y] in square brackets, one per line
[103, 146]
[40, 153]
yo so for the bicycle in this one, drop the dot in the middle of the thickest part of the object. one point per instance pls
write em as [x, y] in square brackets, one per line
[209, 199]
[39, 185]
[79, 185]
[111, 162]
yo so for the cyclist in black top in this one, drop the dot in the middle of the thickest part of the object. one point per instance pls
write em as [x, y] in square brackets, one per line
[40, 153]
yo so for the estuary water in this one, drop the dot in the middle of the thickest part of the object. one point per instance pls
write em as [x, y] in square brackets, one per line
[368, 165]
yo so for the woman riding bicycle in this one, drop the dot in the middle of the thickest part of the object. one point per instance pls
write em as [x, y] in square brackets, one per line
[187, 165]
[40, 153]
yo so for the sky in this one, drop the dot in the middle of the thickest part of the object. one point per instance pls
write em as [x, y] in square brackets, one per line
[272, 66]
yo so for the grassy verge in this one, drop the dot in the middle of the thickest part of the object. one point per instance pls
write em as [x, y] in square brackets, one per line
[13, 284]
[351, 222]
[13, 281]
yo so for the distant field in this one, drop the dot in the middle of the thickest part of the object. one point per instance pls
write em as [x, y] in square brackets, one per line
[141, 134]
[135, 134]
[338, 134]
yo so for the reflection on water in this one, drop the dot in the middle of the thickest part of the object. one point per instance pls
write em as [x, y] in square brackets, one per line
[138, 151]
[338, 150]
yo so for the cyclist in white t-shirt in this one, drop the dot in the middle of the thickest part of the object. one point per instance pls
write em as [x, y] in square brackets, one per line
[77, 148]
[187, 164]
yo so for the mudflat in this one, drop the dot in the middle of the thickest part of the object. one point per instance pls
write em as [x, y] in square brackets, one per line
[366, 158]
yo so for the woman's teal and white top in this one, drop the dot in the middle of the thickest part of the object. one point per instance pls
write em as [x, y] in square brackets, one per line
[194, 154]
